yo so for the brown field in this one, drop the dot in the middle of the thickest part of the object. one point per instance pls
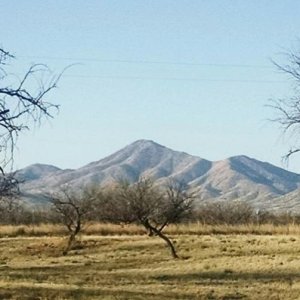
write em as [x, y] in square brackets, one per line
[118, 263]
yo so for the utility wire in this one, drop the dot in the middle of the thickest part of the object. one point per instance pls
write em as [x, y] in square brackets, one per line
[219, 65]
[150, 62]
[173, 78]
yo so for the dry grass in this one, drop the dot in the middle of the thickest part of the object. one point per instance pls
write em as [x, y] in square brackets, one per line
[263, 229]
[114, 229]
[128, 266]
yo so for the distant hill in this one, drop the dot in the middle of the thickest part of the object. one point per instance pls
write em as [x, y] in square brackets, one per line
[238, 177]
[35, 172]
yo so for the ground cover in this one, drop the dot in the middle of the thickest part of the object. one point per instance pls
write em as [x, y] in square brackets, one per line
[135, 266]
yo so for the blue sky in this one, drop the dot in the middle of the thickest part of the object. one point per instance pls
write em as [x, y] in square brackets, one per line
[193, 75]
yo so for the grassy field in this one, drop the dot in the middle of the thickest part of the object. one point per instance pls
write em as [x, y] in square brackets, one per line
[128, 265]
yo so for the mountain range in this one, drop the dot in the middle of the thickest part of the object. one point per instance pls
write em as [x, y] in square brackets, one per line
[240, 177]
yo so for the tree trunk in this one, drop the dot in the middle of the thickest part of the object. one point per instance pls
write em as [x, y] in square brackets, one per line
[72, 237]
[70, 243]
[169, 243]
[167, 240]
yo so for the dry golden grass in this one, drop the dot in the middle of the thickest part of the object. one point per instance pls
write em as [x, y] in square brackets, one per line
[114, 229]
[128, 266]
[263, 229]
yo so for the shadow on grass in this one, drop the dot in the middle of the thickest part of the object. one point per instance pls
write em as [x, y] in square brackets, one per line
[42, 273]
[35, 293]
[74, 266]
[95, 290]
[229, 275]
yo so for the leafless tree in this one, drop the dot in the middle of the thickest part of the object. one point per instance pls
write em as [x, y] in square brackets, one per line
[10, 206]
[150, 206]
[23, 102]
[288, 109]
[11, 211]
[225, 212]
[74, 208]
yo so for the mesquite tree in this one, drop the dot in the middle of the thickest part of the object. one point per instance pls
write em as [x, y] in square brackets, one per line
[151, 206]
[288, 109]
[22, 103]
[74, 208]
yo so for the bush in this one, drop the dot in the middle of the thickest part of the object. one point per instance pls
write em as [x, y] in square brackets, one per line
[224, 212]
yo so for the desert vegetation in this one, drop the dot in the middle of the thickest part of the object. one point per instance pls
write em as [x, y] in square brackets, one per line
[225, 250]
[73, 208]
[123, 263]
[150, 206]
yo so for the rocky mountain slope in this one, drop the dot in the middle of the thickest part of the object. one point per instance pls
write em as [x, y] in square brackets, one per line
[238, 177]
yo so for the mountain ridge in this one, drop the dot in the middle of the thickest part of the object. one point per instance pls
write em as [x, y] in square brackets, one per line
[237, 177]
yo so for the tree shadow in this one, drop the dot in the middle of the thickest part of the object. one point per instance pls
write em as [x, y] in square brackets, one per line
[229, 275]
[35, 293]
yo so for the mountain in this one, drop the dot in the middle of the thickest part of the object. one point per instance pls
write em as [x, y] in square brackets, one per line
[245, 178]
[288, 203]
[141, 158]
[238, 177]
[35, 172]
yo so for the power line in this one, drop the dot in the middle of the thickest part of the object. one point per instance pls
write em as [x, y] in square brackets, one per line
[160, 63]
[150, 62]
[173, 78]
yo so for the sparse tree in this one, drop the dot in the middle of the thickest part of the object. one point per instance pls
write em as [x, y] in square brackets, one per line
[150, 206]
[225, 212]
[74, 208]
[288, 109]
[23, 102]
[11, 210]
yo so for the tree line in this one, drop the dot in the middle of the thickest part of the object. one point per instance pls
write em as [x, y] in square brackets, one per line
[144, 202]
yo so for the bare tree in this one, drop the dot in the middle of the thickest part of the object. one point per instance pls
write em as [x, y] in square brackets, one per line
[225, 212]
[288, 109]
[175, 205]
[150, 206]
[23, 102]
[11, 211]
[9, 186]
[74, 208]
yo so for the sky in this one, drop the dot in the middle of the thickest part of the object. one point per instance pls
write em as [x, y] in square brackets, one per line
[193, 75]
